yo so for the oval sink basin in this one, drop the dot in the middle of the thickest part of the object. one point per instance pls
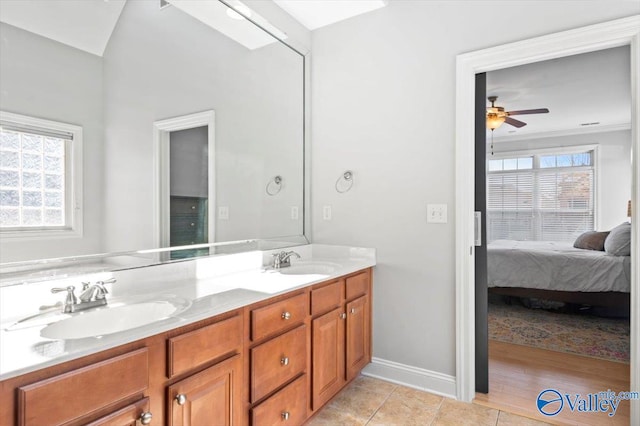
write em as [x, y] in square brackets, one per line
[111, 320]
[310, 269]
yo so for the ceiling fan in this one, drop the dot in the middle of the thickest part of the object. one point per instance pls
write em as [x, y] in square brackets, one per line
[496, 115]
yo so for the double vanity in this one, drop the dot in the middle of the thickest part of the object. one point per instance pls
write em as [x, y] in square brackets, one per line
[215, 340]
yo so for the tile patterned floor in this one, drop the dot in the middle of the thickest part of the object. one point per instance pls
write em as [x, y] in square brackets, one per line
[372, 402]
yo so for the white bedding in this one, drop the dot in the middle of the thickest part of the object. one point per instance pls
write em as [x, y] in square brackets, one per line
[556, 266]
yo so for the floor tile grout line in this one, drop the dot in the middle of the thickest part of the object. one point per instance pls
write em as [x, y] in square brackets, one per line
[380, 406]
[437, 411]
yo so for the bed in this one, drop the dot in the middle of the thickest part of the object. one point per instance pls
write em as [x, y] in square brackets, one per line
[558, 271]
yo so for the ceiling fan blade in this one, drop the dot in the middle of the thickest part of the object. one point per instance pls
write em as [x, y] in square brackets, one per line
[514, 122]
[529, 111]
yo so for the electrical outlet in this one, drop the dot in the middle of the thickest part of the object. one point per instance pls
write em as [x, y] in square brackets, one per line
[223, 213]
[436, 213]
[294, 212]
[326, 212]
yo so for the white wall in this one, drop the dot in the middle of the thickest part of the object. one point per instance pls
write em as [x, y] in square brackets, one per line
[383, 105]
[46, 79]
[613, 179]
[161, 64]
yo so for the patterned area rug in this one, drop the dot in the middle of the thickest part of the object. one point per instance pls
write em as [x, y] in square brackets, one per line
[604, 338]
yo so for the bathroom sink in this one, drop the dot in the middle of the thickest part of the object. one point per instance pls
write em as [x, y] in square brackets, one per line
[113, 319]
[310, 268]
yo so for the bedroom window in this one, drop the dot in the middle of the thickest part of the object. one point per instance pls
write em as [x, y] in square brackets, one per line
[543, 197]
[40, 177]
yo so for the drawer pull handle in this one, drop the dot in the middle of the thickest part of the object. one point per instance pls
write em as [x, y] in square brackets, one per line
[181, 399]
[145, 418]
[285, 415]
[343, 315]
[286, 315]
[353, 311]
[284, 360]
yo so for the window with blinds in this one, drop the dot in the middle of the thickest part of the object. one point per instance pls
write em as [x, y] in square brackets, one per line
[40, 176]
[544, 197]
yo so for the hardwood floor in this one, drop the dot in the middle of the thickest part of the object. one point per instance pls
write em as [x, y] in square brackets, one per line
[517, 374]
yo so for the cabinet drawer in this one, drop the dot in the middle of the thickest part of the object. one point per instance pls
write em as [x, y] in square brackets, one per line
[275, 362]
[198, 347]
[357, 285]
[278, 316]
[127, 416]
[325, 298]
[286, 407]
[88, 389]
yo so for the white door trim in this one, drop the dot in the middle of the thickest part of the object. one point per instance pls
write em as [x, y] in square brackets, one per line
[161, 130]
[620, 32]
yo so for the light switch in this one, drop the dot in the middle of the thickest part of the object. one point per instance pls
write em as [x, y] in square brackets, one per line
[294, 212]
[436, 213]
[326, 212]
[223, 212]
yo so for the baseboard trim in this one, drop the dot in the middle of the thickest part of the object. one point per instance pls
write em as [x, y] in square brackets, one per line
[413, 377]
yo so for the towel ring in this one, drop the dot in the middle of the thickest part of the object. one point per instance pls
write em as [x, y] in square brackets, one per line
[274, 185]
[344, 182]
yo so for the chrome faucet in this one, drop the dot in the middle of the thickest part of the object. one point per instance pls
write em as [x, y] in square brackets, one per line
[91, 296]
[283, 259]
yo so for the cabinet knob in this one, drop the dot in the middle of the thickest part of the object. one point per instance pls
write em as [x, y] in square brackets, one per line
[145, 418]
[343, 315]
[353, 311]
[193, 207]
[181, 398]
[286, 315]
[284, 360]
[285, 415]
[193, 224]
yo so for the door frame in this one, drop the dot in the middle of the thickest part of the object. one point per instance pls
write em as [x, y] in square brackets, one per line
[161, 184]
[620, 32]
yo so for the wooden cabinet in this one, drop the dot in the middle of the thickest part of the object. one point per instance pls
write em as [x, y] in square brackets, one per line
[277, 361]
[87, 391]
[287, 407]
[132, 415]
[211, 397]
[358, 342]
[328, 356]
[341, 338]
[271, 363]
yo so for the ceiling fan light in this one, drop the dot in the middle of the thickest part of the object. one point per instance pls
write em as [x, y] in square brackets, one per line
[494, 120]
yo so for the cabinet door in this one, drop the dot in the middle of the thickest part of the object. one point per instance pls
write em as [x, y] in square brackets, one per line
[328, 356]
[211, 397]
[358, 340]
[127, 416]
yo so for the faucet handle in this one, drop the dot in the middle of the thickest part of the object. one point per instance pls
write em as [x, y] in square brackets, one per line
[71, 297]
[85, 285]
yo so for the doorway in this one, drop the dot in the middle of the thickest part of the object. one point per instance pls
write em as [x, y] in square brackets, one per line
[184, 151]
[612, 34]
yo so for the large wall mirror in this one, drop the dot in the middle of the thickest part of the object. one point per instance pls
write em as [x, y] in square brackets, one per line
[191, 121]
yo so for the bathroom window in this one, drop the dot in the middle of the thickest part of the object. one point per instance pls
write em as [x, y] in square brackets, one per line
[40, 177]
[541, 196]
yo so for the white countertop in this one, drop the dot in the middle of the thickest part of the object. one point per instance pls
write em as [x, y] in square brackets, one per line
[208, 286]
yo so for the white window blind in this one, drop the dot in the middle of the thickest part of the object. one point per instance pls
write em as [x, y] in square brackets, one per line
[540, 197]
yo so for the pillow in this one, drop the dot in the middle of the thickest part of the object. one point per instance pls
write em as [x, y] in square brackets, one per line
[591, 240]
[618, 243]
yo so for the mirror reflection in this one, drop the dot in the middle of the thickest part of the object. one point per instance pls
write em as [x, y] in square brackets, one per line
[130, 125]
